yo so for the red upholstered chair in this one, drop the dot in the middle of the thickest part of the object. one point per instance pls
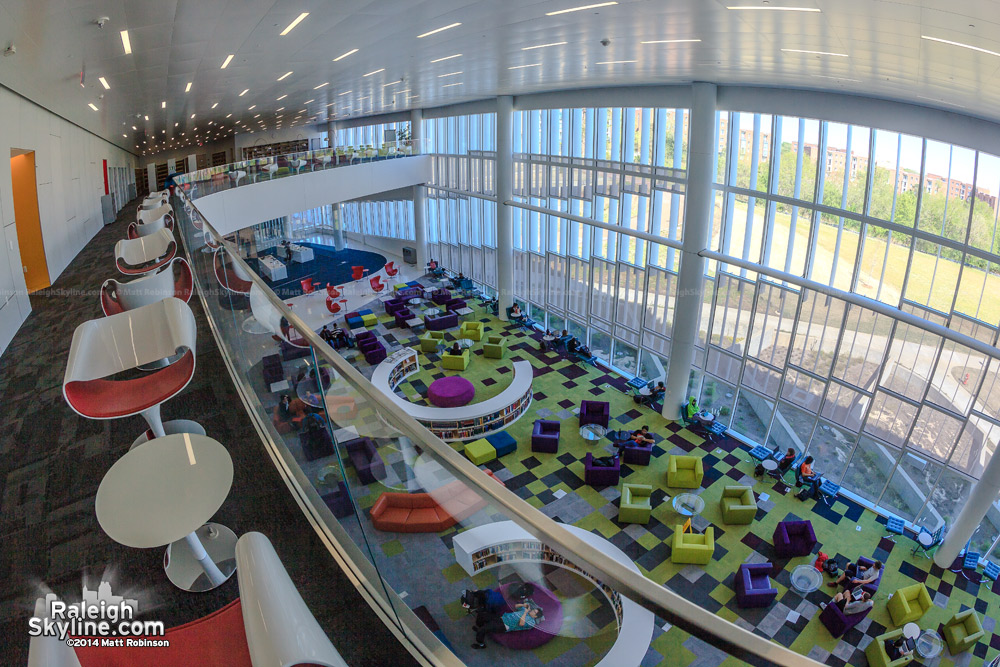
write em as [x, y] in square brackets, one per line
[332, 291]
[307, 286]
[357, 272]
[229, 277]
[267, 625]
[138, 256]
[390, 270]
[174, 279]
[106, 347]
[332, 305]
[376, 283]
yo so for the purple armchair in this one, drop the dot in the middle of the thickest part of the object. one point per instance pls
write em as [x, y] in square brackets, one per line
[600, 475]
[339, 501]
[793, 538]
[545, 436]
[595, 412]
[440, 296]
[392, 306]
[409, 293]
[363, 336]
[365, 459]
[455, 304]
[638, 454]
[402, 315]
[837, 623]
[753, 585]
[376, 354]
[865, 563]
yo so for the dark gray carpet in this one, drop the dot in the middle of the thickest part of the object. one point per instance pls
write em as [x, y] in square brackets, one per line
[52, 462]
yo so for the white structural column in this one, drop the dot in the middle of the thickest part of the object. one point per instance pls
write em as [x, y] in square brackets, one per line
[983, 494]
[505, 225]
[331, 134]
[419, 192]
[697, 233]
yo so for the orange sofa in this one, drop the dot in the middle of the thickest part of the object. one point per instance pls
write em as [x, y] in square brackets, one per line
[427, 512]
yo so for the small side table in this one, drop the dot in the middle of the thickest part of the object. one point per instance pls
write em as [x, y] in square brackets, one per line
[911, 631]
[929, 644]
[688, 504]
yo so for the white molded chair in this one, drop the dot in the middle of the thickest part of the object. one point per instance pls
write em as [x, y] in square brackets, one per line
[325, 160]
[280, 629]
[271, 168]
[297, 165]
[139, 229]
[174, 279]
[236, 176]
[142, 337]
[149, 215]
[145, 254]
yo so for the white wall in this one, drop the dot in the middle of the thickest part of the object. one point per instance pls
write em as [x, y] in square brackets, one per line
[70, 178]
[234, 209]
[385, 244]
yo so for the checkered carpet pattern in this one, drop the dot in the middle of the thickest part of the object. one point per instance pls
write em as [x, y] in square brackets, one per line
[554, 484]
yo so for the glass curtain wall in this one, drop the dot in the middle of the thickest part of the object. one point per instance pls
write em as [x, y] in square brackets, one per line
[372, 135]
[901, 418]
[461, 229]
[393, 218]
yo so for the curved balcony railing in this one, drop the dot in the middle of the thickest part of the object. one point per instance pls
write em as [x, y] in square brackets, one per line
[478, 524]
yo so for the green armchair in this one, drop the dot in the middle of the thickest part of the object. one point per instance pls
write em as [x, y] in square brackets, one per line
[635, 504]
[495, 347]
[738, 505]
[963, 631]
[430, 341]
[685, 472]
[692, 547]
[471, 330]
[455, 362]
[908, 604]
[877, 657]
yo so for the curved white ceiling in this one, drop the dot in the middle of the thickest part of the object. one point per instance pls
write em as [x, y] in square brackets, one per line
[871, 47]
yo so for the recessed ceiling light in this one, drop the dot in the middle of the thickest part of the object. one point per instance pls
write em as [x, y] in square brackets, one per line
[308, 101]
[670, 41]
[245, 91]
[104, 82]
[228, 60]
[228, 115]
[346, 92]
[252, 107]
[126, 42]
[438, 60]
[281, 98]
[298, 19]
[125, 135]
[257, 116]
[284, 76]
[344, 55]
[775, 8]
[91, 105]
[580, 9]
[192, 116]
[187, 89]
[134, 127]
[146, 117]
[523, 66]
[375, 72]
[441, 76]
[434, 32]
[280, 109]
[816, 53]
[163, 105]
[321, 85]
[542, 46]
[215, 105]
[449, 85]
[616, 62]
[964, 46]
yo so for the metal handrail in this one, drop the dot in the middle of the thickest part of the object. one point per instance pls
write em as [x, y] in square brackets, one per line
[666, 604]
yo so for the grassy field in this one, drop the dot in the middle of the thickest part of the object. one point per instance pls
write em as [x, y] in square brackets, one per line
[933, 281]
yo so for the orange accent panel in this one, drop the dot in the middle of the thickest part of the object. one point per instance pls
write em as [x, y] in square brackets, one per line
[28, 222]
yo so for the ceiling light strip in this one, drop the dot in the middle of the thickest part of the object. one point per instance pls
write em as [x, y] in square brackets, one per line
[580, 9]
[291, 26]
[434, 32]
[959, 44]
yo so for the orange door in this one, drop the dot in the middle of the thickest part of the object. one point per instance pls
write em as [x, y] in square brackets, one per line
[29, 225]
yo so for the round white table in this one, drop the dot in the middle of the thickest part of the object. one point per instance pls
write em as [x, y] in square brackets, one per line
[163, 493]
[929, 644]
[925, 539]
[806, 578]
[911, 631]
[593, 432]
[705, 417]
[688, 504]
[769, 465]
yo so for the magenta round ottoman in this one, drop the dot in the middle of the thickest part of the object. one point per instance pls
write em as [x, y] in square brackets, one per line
[450, 392]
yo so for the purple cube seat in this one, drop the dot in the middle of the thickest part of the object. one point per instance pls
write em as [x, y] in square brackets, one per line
[753, 585]
[455, 304]
[545, 436]
[376, 354]
[339, 501]
[600, 475]
[365, 459]
[793, 538]
[392, 306]
[402, 315]
[364, 335]
[595, 412]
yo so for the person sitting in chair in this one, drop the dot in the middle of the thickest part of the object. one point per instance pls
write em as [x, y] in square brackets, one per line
[642, 436]
[516, 313]
[691, 409]
[851, 604]
[525, 616]
[574, 346]
[851, 577]
[810, 478]
[896, 648]
[326, 335]
[456, 349]
[785, 464]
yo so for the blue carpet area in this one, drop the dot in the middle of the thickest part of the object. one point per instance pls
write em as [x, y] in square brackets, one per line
[329, 266]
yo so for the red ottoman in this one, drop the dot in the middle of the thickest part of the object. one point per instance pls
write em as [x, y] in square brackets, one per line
[450, 392]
